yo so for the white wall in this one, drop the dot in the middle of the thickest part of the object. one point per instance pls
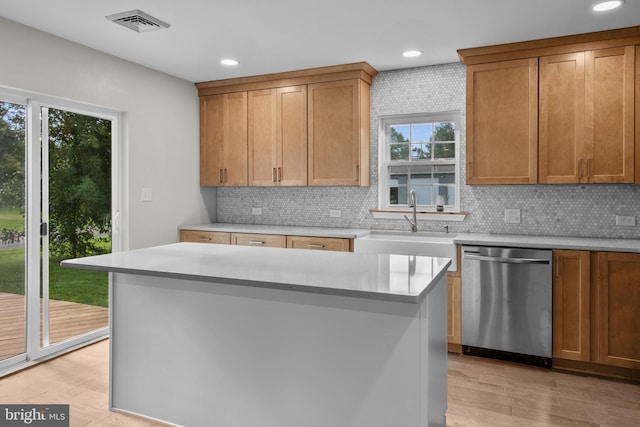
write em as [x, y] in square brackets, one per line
[160, 143]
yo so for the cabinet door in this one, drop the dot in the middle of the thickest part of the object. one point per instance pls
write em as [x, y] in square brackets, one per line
[291, 133]
[610, 114]
[319, 243]
[454, 330]
[561, 131]
[502, 122]
[235, 138]
[338, 126]
[195, 236]
[571, 305]
[262, 154]
[618, 302]
[265, 240]
[211, 141]
[637, 123]
[223, 139]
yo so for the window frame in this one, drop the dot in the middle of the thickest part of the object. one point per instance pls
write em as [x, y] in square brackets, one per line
[384, 161]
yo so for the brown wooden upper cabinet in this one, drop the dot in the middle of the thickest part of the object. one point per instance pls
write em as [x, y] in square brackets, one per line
[223, 140]
[278, 136]
[502, 122]
[557, 110]
[587, 116]
[307, 127]
[339, 133]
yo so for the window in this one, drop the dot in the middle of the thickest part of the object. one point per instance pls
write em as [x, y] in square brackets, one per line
[419, 152]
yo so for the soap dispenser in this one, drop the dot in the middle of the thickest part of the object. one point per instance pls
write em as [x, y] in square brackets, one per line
[439, 204]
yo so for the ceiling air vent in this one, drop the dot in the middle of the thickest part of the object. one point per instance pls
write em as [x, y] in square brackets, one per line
[138, 21]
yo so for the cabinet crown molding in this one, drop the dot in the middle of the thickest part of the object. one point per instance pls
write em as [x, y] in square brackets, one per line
[551, 46]
[356, 70]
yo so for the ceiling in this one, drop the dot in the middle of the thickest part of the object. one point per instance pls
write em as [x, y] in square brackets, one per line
[269, 36]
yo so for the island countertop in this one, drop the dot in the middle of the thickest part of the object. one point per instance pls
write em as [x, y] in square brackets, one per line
[401, 278]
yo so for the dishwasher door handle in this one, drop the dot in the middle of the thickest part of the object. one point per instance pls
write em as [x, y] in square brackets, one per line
[506, 260]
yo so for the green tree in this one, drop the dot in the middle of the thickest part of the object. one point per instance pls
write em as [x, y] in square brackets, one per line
[399, 151]
[79, 183]
[444, 132]
[12, 153]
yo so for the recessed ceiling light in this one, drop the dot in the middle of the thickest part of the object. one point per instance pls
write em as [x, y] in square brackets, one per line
[607, 5]
[229, 61]
[411, 53]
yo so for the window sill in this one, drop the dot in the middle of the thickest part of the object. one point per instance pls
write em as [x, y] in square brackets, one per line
[429, 215]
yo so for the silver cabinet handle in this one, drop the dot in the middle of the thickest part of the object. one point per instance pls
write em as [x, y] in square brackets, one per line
[315, 245]
[221, 176]
[256, 242]
[205, 239]
[589, 168]
[273, 175]
[279, 175]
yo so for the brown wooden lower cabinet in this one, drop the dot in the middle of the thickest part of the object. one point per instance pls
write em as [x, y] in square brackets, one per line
[596, 312]
[196, 236]
[454, 328]
[571, 305]
[617, 325]
[268, 240]
[319, 243]
[265, 240]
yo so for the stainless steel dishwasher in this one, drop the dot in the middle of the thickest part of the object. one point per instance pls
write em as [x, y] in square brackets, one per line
[507, 303]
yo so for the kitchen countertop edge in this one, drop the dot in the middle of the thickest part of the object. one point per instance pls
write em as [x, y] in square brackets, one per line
[174, 261]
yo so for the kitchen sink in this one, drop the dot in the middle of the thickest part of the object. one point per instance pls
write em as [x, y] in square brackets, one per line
[408, 243]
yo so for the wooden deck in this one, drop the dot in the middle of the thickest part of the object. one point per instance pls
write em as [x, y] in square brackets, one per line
[67, 319]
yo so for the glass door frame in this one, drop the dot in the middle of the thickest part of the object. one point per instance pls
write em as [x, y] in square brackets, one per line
[34, 192]
[16, 98]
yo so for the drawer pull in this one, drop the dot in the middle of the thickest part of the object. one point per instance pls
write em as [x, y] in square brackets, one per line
[256, 242]
[205, 239]
[315, 245]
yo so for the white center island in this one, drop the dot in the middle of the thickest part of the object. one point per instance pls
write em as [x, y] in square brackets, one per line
[233, 336]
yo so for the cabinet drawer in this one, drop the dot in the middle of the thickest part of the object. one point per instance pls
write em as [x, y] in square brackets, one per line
[205, 237]
[267, 240]
[319, 243]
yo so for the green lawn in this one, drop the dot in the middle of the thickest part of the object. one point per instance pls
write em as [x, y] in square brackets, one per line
[86, 287]
[11, 218]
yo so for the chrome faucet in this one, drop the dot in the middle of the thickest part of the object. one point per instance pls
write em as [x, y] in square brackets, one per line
[413, 203]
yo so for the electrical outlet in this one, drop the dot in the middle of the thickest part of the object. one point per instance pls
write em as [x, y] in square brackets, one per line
[626, 221]
[512, 216]
[256, 211]
[335, 213]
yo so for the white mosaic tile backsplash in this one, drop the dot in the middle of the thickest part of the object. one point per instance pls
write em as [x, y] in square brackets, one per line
[559, 210]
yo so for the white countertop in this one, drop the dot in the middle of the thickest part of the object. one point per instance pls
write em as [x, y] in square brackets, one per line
[549, 242]
[523, 241]
[401, 278]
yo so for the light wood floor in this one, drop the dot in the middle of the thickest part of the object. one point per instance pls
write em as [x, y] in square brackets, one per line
[66, 320]
[482, 392]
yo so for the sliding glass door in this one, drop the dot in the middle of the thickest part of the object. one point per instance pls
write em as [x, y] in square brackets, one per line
[75, 222]
[58, 198]
[13, 313]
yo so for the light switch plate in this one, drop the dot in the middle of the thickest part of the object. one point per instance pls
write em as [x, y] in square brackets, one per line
[512, 216]
[146, 194]
[335, 213]
[256, 211]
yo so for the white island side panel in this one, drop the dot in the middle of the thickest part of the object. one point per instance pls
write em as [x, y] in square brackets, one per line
[193, 354]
